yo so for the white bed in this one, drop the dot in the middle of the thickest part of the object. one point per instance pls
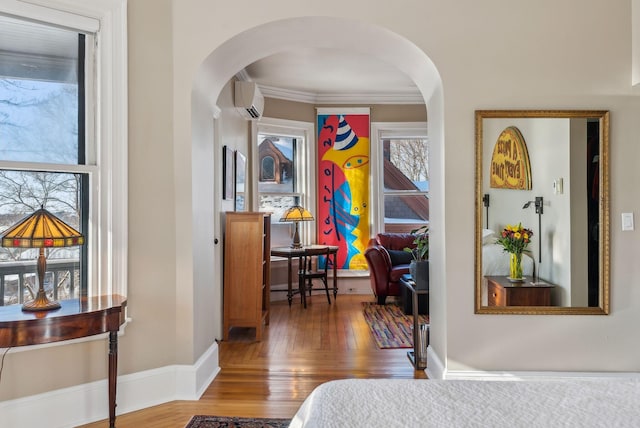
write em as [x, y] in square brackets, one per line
[495, 261]
[471, 403]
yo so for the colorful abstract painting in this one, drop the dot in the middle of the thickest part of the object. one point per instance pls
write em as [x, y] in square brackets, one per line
[343, 184]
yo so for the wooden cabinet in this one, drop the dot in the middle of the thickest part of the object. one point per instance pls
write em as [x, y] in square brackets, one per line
[502, 292]
[246, 271]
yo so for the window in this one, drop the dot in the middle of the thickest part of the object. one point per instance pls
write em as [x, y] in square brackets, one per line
[285, 175]
[42, 128]
[404, 176]
[284, 161]
[277, 185]
[50, 146]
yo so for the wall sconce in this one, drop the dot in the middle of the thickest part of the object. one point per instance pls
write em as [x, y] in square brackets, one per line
[485, 202]
[538, 204]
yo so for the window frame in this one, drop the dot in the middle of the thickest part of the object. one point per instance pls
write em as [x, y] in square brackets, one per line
[379, 132]
[106, 124]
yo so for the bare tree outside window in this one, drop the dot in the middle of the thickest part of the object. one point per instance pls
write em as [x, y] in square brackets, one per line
[406, 183]
[22, 191]
[411, 156]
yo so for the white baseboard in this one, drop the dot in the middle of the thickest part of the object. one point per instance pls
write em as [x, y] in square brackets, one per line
[435, 369]
[82, 404]
[533, 375]
[357, 284]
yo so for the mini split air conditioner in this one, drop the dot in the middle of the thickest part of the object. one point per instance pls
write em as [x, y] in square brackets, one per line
[248, 100]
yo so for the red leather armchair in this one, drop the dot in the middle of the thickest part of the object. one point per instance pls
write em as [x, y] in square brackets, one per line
[387, 262]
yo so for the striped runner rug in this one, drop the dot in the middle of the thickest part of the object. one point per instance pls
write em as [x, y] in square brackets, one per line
[390, 327]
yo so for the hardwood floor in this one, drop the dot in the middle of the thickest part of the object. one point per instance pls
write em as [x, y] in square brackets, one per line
[300, 350]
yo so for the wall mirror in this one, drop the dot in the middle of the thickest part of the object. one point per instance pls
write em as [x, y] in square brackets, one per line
[548, 171]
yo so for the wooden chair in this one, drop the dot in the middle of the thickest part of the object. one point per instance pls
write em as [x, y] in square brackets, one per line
[310, 271]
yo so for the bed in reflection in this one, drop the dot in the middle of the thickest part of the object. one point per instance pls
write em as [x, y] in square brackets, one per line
[471, 403]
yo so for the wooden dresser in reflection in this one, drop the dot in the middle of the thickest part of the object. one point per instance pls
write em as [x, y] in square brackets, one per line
[502, 292]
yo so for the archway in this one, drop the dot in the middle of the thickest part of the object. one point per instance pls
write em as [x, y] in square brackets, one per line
[350, 35]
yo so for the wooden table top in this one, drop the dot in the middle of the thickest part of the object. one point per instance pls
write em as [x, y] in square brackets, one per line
[527, 283]
[289, 251]
[74, 319]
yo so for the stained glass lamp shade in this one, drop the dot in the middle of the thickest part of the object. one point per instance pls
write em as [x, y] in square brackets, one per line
[41, 230]
[296, 214]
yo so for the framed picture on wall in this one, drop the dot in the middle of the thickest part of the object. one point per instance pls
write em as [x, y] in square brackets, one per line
[227, 173]
[241, 181]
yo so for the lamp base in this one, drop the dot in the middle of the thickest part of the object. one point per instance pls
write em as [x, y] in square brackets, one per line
[296, 237]
[40, 303]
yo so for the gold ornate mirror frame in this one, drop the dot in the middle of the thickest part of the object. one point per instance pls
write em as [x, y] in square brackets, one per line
[602, 117]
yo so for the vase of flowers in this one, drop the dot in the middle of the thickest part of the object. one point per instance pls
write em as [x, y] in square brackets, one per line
[514, 240]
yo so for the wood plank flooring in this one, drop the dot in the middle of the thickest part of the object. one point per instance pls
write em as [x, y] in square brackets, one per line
[300, 350]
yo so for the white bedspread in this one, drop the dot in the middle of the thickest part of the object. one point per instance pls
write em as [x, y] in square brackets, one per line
[468, 403]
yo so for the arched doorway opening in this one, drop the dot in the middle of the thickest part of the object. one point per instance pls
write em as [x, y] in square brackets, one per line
[333, 33]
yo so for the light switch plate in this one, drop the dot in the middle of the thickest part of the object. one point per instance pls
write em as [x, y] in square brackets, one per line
[557, 186]
[627, 221]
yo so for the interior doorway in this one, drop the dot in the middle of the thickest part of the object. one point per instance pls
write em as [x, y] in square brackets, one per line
[338, 33]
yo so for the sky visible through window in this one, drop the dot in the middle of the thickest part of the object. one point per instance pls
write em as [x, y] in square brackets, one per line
[38, 121]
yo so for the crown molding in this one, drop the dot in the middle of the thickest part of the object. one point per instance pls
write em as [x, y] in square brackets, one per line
[405, 97]
[409, 96]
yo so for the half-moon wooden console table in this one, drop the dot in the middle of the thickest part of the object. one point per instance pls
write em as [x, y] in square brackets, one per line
[76, 318]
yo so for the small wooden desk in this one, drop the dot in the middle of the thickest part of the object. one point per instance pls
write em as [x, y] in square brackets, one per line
[290, 253]
[502, 292]
[76, 318]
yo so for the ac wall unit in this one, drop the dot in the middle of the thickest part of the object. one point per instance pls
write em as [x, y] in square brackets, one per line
[248, 100]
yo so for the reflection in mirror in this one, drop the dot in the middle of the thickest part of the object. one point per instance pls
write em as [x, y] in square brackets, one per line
[548, 171]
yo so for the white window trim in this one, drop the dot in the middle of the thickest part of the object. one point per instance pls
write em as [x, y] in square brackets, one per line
[307, 156]
[380, 131]
[108, 19]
